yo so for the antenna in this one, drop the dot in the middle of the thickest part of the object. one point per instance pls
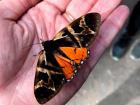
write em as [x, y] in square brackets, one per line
[41, 36]
[41, 40]
[35, 43]
[31, 45]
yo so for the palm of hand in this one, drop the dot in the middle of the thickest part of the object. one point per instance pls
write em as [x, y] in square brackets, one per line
[17, 62]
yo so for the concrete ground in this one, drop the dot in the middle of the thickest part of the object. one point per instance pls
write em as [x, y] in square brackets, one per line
[112, 82]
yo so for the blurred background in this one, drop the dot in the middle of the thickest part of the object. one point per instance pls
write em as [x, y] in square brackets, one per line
[116, 78]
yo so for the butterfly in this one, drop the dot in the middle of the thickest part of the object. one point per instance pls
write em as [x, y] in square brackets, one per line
[62, 56]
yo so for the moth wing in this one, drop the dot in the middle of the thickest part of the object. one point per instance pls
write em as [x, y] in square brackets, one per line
[73, 42]
[83, 30]
[78, 55]
[72, 45]
[75, 57]
[67, 66]
[47, 82]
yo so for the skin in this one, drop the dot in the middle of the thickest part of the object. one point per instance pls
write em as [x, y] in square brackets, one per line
[26, 22]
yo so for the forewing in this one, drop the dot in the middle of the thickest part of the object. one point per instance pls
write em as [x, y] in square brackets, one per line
[47, 82]
[73, 41]
[82, 31]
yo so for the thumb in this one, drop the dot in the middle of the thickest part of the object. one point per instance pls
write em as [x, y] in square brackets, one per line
[14, 9]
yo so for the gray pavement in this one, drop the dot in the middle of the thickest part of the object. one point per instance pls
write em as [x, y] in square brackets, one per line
[112, 82]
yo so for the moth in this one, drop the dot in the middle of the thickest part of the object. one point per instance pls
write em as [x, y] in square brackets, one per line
[62, 56]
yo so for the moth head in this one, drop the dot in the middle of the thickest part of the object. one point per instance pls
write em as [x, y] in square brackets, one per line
[48, 45]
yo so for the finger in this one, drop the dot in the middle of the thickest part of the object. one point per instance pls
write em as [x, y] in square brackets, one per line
[61, 22]
[13, 9]
[77, 8]
[105, 7]
[60, 5]
[108, 31]
[73, 11]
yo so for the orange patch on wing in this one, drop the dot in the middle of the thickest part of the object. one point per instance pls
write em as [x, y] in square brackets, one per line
[67, 66]
[75, 54]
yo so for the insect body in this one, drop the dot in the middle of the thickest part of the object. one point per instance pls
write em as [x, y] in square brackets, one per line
[62, 56]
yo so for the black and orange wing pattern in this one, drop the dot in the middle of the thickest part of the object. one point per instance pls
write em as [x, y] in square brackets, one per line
[62, 56]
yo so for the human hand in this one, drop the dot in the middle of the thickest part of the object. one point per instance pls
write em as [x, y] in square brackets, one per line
[24, 22]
